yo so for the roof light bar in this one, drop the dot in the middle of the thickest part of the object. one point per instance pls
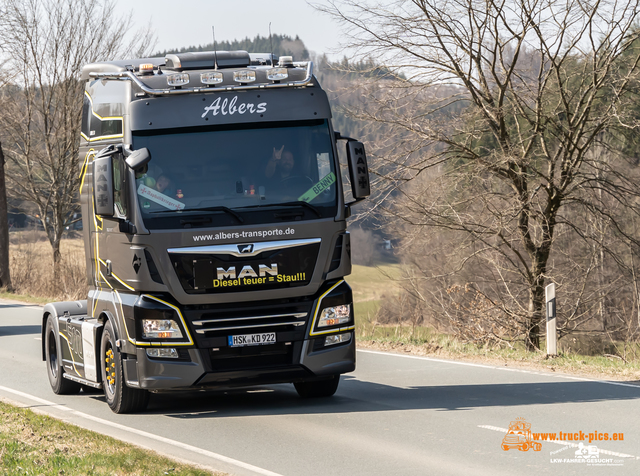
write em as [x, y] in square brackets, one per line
[129, 76]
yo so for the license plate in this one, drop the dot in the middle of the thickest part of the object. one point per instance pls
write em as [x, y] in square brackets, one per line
[252, 339]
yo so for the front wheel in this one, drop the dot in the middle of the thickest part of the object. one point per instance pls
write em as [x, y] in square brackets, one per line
[55, 370]
[120, 398]
[318, 388]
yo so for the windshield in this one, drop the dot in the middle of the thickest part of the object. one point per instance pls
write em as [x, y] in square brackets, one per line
[240, 175]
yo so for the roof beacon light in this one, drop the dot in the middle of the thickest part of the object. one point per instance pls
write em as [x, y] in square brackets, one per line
[286, 61]
[146, 68]
[179, 79]
[213, 77]
[277, 74]
[244, 76]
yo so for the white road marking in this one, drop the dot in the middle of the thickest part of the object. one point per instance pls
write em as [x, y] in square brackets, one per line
[561, 442]
[145, 434]
[507, 369]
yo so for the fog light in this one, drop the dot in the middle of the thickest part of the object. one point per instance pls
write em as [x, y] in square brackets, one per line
[277, 74]
[163, 352]
[178, 79]
[337, 339]
[214, 77]
[333, 316]
[160, 329]
[244, 76]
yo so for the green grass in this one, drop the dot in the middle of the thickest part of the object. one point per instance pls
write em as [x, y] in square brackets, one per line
[34, 444]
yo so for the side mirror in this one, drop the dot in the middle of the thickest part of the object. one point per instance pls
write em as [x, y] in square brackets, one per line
[138, 158]
[358, 170]
[103, 185]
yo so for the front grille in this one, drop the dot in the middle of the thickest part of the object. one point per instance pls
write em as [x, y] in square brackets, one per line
[212, 324]
[241, 324]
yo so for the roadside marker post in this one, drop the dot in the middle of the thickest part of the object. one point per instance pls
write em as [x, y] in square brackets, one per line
[552, 337]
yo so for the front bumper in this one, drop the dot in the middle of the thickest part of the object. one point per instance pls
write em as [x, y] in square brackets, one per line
[298, 354]
[169, 374]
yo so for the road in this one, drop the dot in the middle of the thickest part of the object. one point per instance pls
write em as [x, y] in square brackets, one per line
[395, 415]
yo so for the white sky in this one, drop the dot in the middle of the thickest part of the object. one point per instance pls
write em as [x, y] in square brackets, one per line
[181, 23]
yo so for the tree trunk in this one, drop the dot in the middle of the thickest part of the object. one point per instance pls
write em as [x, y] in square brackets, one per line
[536, 317]
[57, 263]
[5, 276]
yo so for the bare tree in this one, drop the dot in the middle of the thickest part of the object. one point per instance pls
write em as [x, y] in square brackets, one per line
[503, 105]
[43, 46]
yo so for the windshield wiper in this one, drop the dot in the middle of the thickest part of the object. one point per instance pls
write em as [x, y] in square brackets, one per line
[207, 209]
[288, 204]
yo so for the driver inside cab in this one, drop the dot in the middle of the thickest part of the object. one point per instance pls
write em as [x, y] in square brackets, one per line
[280, 165]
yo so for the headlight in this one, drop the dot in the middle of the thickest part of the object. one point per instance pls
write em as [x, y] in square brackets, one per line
[334, 316]
[160, 329]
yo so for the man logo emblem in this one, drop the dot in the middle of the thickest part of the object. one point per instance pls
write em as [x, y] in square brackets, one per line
[245, 248]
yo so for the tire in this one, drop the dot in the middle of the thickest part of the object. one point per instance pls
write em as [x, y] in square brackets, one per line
[53, 357]
[120, 398]
[318, 388]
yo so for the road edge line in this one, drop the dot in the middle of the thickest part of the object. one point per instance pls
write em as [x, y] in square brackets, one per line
[162, 439]
[494, 367]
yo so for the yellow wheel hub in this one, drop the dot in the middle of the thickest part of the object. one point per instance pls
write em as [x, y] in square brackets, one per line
[110, 367]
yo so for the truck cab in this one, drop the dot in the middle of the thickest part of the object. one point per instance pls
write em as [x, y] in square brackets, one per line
[214, 224]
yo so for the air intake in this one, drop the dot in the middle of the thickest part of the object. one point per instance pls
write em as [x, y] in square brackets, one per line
[207, 60]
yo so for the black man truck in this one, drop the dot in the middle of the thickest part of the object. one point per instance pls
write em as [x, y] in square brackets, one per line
[214, 226]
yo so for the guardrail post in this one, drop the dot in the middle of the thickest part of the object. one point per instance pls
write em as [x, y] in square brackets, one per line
[552, 337]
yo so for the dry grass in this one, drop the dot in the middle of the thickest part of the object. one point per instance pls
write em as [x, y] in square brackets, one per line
[373, 283]
[31, 265]
[32, 443]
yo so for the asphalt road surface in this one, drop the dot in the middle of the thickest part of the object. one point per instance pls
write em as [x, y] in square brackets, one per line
[395, 415]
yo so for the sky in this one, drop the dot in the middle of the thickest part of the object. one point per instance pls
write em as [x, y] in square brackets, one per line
[182, 23]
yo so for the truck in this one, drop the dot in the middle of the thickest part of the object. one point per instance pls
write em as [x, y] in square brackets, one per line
[214, 225]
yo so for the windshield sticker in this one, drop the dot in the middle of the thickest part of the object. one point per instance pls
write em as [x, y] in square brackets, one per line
[159, 198]
[226, 107]
[318, 188]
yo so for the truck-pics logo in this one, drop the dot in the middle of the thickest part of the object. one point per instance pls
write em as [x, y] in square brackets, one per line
[519, 436]
[226, 107]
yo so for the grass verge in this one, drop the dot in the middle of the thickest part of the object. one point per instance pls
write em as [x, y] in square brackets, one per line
[34, 444]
